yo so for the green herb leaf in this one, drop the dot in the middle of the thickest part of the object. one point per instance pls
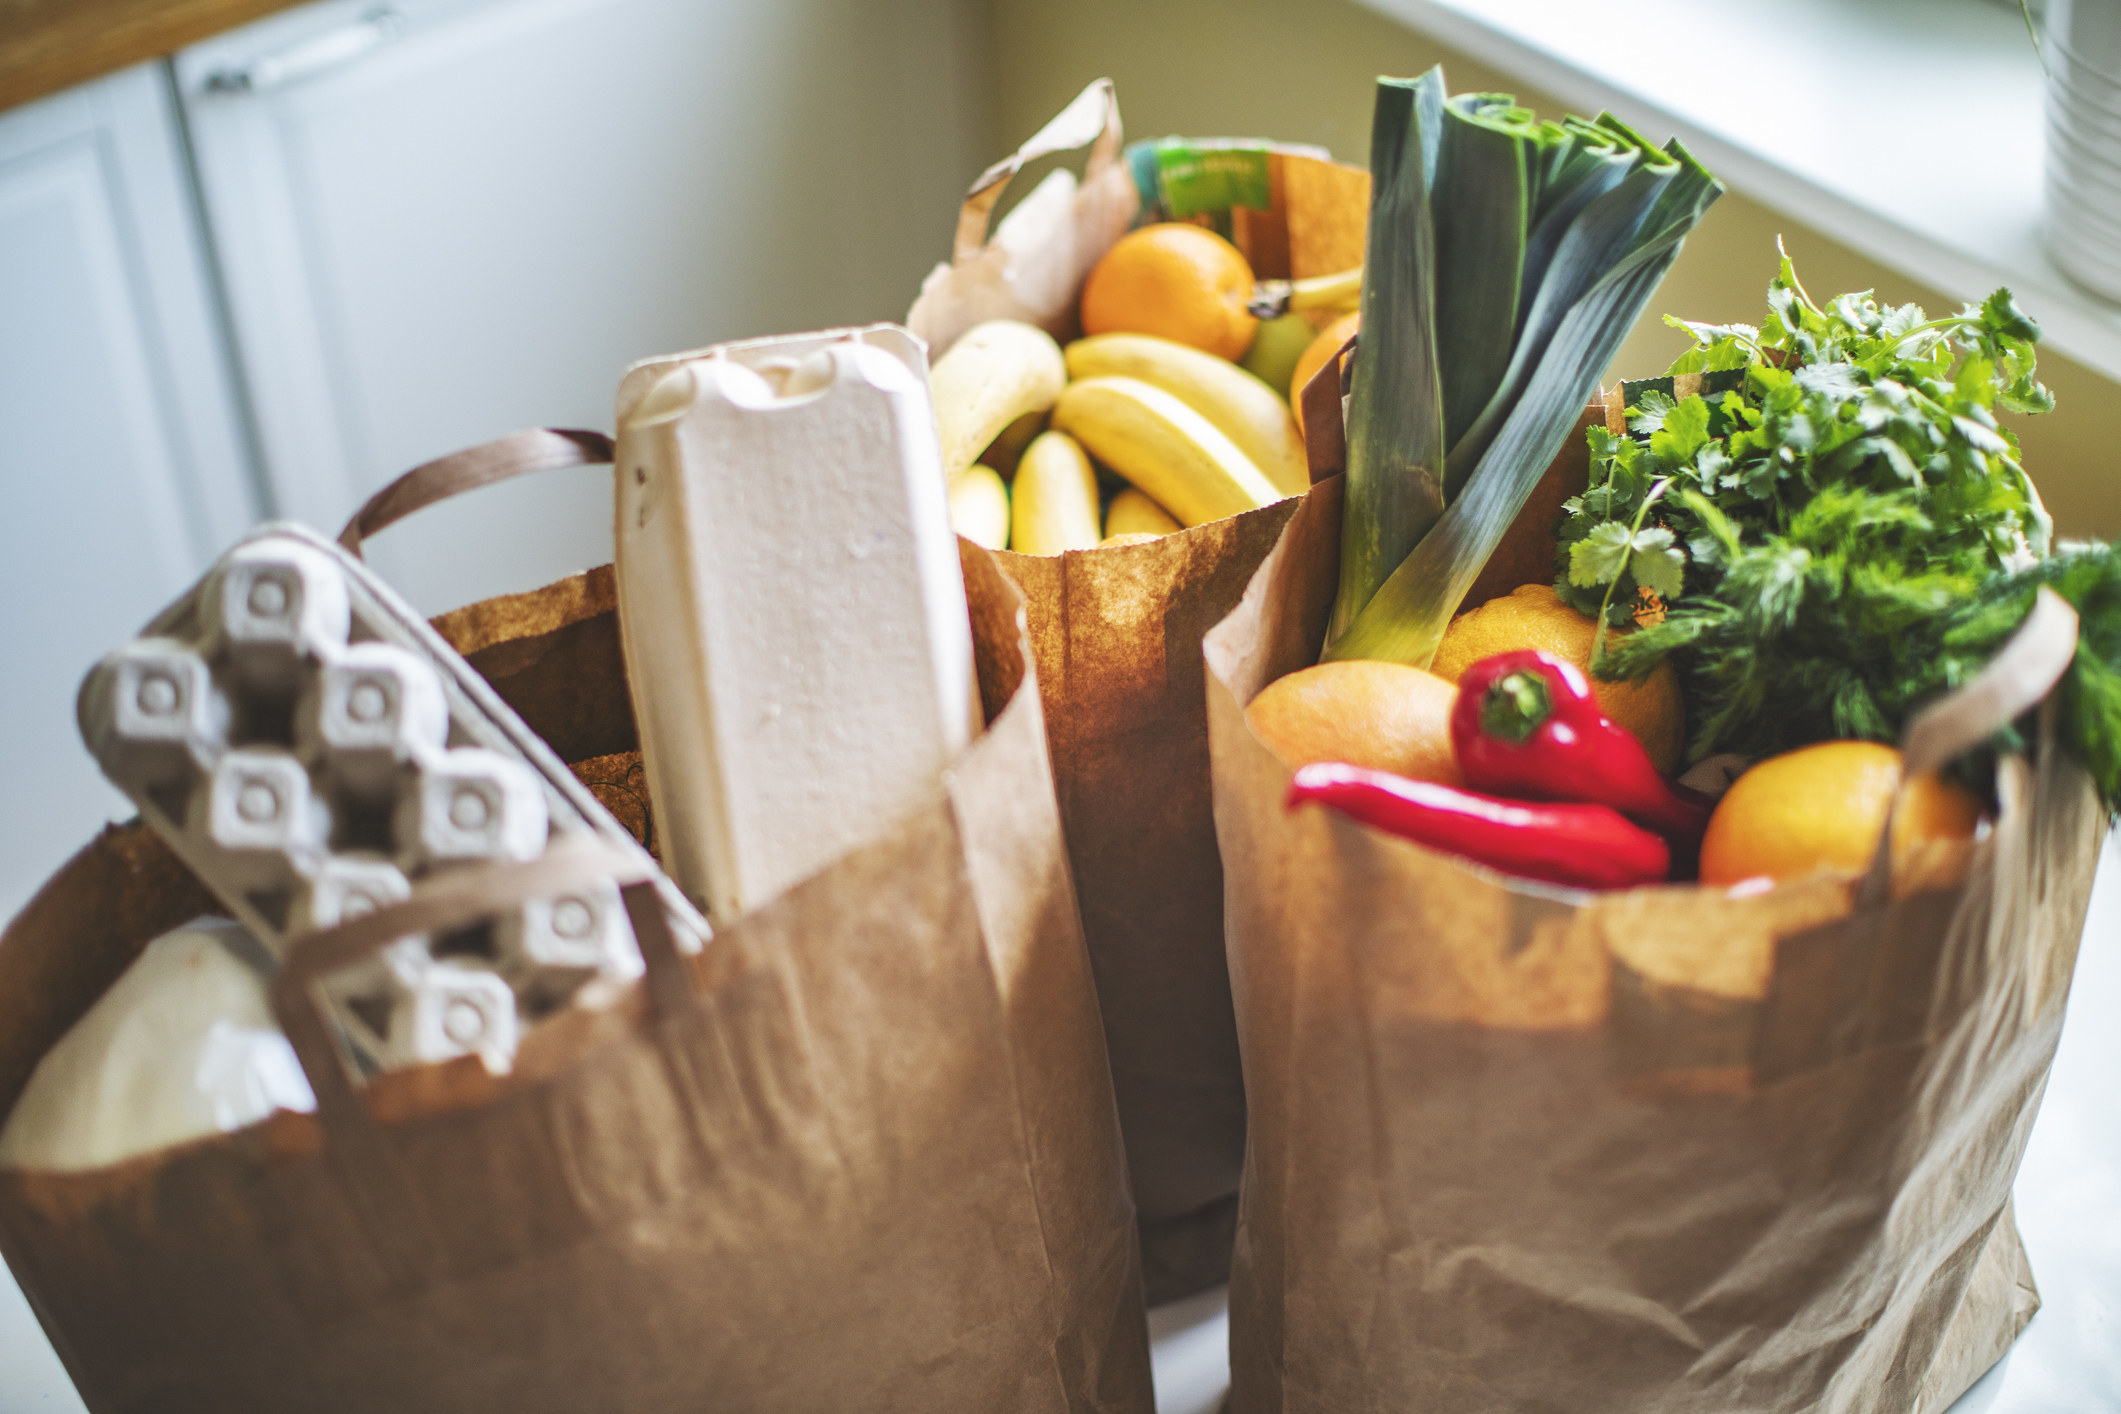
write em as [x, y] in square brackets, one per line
[1682, 432]
[1845, 536]
[1657, 563]
[1599, 557]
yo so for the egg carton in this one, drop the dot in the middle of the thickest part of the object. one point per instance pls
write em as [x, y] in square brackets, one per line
[313, 750]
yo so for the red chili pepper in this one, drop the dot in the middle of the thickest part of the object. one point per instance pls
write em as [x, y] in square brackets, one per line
[1584, 846]
[1527, 724]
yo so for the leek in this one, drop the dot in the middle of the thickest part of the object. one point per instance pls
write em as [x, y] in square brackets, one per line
[1396, 474]
[1508, 258]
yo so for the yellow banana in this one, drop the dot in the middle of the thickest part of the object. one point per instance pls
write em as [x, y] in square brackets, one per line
[1007, 448]
[1053, 505]
[1339, 291]
[1164, 447]
[994, 374]
[1132, 513]
[1241, 407]
[1342, 290]
[979, 508]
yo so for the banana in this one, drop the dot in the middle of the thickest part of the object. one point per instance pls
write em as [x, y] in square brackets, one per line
[979, 508]
[1053, 506]
[1164, 447]
[1241, 407]
[994, 374]
[1132, 513]
[1316, 294]
[1007, 448]
[1338, 291]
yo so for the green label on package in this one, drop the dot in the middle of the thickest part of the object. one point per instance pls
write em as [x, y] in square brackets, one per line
[1191, 180]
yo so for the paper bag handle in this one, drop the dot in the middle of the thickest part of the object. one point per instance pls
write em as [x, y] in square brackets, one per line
[2018, 679]
[376, 1183]
[503, 459]
[1091, 120]
[1324, 401]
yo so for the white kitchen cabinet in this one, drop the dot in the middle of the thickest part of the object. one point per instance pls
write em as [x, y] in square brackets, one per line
[443, 220]
[122, 466]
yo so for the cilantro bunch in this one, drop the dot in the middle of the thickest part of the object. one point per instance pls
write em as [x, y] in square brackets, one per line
[1836, 527]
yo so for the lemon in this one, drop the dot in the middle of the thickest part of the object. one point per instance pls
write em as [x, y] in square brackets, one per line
[1533, 616]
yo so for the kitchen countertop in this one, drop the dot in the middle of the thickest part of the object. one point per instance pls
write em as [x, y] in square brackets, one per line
[48, 45]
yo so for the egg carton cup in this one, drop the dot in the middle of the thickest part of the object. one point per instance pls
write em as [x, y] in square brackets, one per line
[313, 750]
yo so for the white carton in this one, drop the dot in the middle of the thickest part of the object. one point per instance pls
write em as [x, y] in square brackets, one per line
[792, 603]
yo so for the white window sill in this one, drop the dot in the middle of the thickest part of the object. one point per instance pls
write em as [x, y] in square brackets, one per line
[1908, 130]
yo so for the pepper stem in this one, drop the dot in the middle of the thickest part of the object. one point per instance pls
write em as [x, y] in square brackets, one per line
[1515, 707]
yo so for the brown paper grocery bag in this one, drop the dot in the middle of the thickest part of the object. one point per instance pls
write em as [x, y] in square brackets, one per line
[1116, 631]
[859, 1152]
[1517, 1148]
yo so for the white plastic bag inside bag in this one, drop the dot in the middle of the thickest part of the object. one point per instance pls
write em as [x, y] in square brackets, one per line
[1034, 266]
[183, 1045]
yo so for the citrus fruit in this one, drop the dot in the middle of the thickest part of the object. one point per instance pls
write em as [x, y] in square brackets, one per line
[1177, 282]
[1533, 616]
[1821, 807]
[1314, 358]
[1386, 716]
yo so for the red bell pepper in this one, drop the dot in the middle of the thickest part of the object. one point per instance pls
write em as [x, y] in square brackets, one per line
[1583, 846]
[1527, 724]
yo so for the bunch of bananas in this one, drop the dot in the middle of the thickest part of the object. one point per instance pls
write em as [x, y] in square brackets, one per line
[1144, 426]
[1195, 437]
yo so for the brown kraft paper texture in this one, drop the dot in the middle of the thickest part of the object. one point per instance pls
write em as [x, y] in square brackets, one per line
[1520, 1149]
[875, 1166]
[1116, 631]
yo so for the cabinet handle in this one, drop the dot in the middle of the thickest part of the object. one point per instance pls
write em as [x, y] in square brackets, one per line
[311, 57]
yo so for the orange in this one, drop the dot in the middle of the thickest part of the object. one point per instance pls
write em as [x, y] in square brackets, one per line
[1177, 282]
[1821, 807]
[1533, 616]
[1314, 358]
[1386, 716]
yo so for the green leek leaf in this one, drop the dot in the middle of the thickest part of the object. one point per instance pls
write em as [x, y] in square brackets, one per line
[1395, 464]
[1507, 258]
[1480, 208]
[1405, 619]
